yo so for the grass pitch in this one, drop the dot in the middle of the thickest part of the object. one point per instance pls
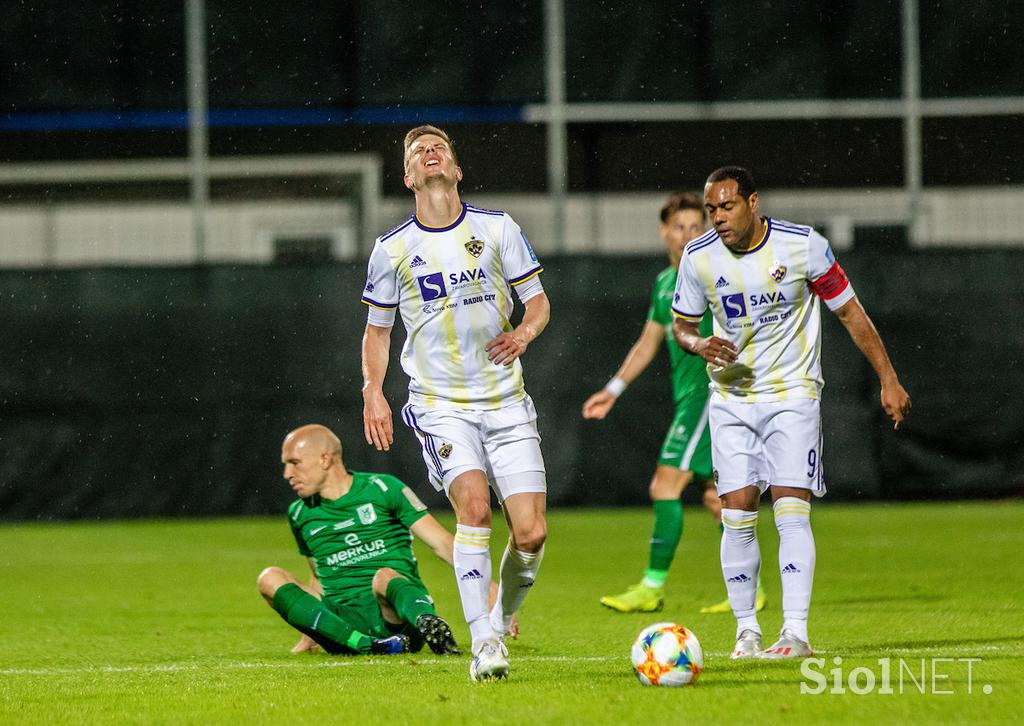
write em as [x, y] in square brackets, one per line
[143, 622]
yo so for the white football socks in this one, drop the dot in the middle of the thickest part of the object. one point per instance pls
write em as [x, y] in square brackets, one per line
[741, 563]
[472, 560]
[796, 561]
[518, 571]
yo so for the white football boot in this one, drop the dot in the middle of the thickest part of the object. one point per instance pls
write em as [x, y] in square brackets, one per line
[748, 645]
[787, 646]
[490, 662]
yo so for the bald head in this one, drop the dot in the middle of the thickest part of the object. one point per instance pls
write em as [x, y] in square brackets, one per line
[314, 439]
[311, 456]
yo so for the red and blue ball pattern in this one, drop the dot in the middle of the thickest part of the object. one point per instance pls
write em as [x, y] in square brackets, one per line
[667, 654]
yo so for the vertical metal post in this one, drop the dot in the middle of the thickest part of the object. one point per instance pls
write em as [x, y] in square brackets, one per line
[198, 140]
[557, 156]
[912, 147]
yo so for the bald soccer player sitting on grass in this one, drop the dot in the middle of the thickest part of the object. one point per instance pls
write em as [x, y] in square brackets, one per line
[365, 594]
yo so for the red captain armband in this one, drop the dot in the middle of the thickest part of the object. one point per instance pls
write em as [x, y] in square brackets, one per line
[831, 283]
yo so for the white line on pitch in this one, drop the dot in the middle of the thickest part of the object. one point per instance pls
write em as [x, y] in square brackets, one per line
[340, 663]
[347, 662]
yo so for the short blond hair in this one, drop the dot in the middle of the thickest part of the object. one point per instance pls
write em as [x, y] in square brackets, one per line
[423, 131]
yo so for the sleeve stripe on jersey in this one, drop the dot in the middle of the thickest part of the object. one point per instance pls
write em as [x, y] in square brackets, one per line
[701, 242]
[523, 278]
[494, 212]
[831, 284]
[397, 229]
[379, 305]
[794, 228]
[689, 317]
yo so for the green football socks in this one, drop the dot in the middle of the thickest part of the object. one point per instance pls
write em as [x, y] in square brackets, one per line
[668, 530]
[409, 599]
[304, 612]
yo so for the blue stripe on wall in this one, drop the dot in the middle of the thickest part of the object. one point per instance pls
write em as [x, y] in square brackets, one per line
[245, 118]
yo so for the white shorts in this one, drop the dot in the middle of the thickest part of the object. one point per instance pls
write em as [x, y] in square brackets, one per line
[765, 444]
[503, 443]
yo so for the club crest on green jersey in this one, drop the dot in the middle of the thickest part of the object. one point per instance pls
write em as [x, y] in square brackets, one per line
[367, 514]
[475, 247]
[778, 271]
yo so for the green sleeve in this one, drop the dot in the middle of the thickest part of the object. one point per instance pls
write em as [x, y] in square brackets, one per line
[406, 506]
[658, 312]
[294, 512]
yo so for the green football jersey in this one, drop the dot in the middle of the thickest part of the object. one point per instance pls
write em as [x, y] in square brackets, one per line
[352, 537]
[689, 372]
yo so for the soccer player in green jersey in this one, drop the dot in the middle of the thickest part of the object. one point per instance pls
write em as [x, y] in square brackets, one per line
[686, 451]
[365, 594]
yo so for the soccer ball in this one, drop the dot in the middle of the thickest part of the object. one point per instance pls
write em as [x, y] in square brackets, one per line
[667, 654]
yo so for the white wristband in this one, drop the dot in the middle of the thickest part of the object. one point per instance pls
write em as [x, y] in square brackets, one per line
[615, 386]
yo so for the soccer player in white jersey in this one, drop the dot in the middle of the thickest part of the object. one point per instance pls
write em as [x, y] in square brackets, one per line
[451, 269]
[762, 279]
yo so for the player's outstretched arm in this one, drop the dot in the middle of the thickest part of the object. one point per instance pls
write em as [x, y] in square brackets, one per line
[895, 399]
[377, 425]
[636, 362]
[436, 537]
[505, 348]
[713, 349]
[314, 587]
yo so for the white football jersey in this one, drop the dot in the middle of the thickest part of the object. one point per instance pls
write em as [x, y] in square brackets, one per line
[765, 301]
[453, 286]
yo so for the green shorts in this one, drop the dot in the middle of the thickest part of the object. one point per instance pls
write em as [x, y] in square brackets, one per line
[687, 444]
[363, 614]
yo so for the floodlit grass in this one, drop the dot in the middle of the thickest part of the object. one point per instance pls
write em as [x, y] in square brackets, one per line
[139, 622]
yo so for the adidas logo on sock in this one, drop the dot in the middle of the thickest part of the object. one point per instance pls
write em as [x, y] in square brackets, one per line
[417, 261]
[790, 569]
[739, 578]
[722, 282]
[473, 574]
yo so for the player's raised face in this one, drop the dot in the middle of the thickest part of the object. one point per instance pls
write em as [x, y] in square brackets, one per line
[733, 216]
[305, 469]
[429, 161]
[682, 227]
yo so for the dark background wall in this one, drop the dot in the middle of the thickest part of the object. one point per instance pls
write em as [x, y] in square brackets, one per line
[130, 54]
[106, 80]
[139, 392]
[134, 392]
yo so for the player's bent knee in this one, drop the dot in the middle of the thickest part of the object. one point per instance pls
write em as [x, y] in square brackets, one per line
[474, 512]
[668, 483]
[532, 539]
[711, 502]
[381, 578]
[270, 579]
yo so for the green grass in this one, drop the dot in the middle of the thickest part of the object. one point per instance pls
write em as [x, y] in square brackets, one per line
[142, 622]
